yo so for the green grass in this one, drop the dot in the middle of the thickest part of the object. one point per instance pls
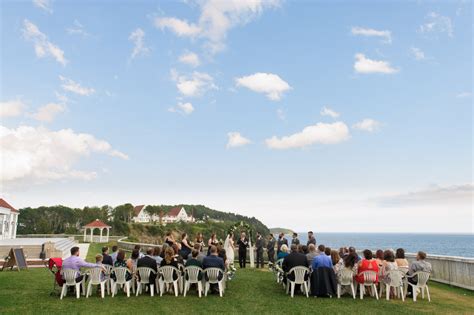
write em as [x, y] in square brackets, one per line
[251, 292]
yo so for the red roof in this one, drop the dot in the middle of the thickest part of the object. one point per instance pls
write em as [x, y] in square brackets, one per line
[5, 204]
[97, 223]
[175, 211]
[138, 209]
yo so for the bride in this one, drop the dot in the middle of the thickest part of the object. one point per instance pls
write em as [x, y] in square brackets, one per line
[229, 250]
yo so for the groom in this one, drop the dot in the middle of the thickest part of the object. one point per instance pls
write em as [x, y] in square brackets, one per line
[243, 243]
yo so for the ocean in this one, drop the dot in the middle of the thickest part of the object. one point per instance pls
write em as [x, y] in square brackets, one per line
[436, 244]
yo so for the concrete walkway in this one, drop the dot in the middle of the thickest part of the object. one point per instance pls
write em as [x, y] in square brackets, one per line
[83, 250]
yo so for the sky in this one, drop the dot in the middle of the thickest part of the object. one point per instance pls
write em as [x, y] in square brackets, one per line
[331, 116]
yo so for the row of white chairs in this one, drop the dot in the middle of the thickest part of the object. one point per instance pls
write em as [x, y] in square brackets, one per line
[397, 279]
[141, 277]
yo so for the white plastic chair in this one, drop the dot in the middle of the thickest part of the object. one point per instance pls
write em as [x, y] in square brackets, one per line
[370, 279]
[69, 276]
[213, 278]
[191, 275]
[300, 272]
[395, 278]
[96, 277]
[143, 278]
[166, 278]
[121, 279]
[422, 284]
[345, 278]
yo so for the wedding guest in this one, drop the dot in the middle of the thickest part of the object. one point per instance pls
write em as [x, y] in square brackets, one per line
[200, 255]
[283, 252]
[170, 260]
[114, 253]
[322, 260]
[350, 262]
[304, 249]
[132, 261]
[311, 253]
[164, 246]
[295, 239]
[120, 262]
[200, 241]
[311, 239]
[327, 251]
[367, 264]
[400, 258]
[352, 250]
[271, 248]
[388, 264]
[419, 265]
[176, 249]
[186, 246]
[157, 255]
[169, 239]
[293, 259]
[107, 259]
[193, 261]
[214, 261]
[259, 244]
[212, 242]
[243, 243]
[75, 262]
[337, 262]
[281, 241]
[379, 258]
[149, 261]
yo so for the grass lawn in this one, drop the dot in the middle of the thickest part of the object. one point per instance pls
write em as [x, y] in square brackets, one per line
[250, 292]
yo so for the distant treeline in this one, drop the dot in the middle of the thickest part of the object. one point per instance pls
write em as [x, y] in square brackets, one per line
[62, 219]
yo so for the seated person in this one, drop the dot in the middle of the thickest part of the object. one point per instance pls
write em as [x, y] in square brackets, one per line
[311, 253]
[132, 261]
[107, 259]
[352, 250]
[149, 261]
[283, 252]
[350, 262]
[170, 260]
[337, 262]
[419, 265]
[121, 262]
[156, 255]
[294, 259]
[200, 256]
[388, 264]
[114, 254]
[379, 258]
[400, 258]
[177, 249]
[75, 262]
[193, 261]
[99, 261]
[322, 260]
[367, 264]
[214, 261]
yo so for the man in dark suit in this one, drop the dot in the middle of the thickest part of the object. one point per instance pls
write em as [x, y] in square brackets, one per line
[243, 243]
[150, 262]
[259, 244]
[281, 241]
[294, 259]
[214, 261]
[107, 259]
[271, 248]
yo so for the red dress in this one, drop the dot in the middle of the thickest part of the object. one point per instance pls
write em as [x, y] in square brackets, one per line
[367, 265]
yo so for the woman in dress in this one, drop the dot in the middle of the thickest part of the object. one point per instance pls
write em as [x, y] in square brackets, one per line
[212, 241]
[120, 262]
[400, 258]
[186, 247]
[229, 249]
[388, 264]
[169, 239]
[337, 262]
[367, 264]
[200, 241]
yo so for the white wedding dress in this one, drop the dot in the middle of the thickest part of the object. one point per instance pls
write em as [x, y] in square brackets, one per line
[229, 250]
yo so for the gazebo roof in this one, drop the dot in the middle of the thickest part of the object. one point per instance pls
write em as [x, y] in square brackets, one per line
[97, 224]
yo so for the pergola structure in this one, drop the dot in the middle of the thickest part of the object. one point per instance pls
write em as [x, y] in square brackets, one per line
[97, 224]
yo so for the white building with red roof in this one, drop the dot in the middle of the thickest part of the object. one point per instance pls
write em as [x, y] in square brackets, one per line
[140, 215]
[8, 220]
[176, 214]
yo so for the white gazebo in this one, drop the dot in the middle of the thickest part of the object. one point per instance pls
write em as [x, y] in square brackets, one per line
[8, 220]
[97, 224]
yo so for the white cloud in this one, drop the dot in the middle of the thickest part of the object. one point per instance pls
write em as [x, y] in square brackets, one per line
[43, 4]
[77, 29]
[182, 108]
[48, 112]
[267, 83]
[366, 65]
[329, 112]
[235, 139]
[11, 108]
[62, 98]
[74, 87]
[193, 85]
[43, 47]
[216, 18]
[436, 23]
[417, 53]
[139, 48]
[190, 58]
[32, 154]
[367, 124]
[370, 32]
[464, 95]
[281, 114]
[320, 133]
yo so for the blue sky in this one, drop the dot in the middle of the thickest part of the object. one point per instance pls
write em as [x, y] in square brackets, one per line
[319, 115]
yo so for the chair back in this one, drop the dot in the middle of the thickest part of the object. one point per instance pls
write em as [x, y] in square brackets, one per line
[345, 277]
[279, 262]
[108, 269]
[395, 277]
[213, 274]
[144, 273]
[193, 273]
[94, 274]
[181, 268]
[167, 273]
[422, 276]
[300, 272]
[369, 276]
[403, 269]
[69, 276]
[120, 274]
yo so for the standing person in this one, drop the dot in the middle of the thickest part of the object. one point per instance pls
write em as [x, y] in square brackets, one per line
[243, 243]
[200, 241]
[212, 242]
[259, 244]
[186, 246]
[271, 248]
[169, 239]
[311, 239]
[281, 241]
[295, 239]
